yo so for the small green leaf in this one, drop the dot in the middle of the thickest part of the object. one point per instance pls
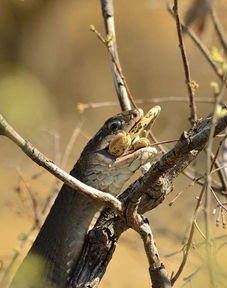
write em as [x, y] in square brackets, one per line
[92, 27]
[214, 85]
[221, 112]
[216, 56]
[224, 66]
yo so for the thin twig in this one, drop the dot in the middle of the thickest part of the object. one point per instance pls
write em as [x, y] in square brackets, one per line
[199, 230]
[161, 147]
[199, 244]
[223, 218]
[56, 146]
[108, 44]
[33, 200]
[224, 157]
[70, 144]
[191, 184]
[208, 180]
[164, 142]
[108, 16]
[189, 242]
[194, 176]
[219, 72]
[219, 28]
[217, 199]
[49, 200]
[217, 152]
[83, 106]
[219, 168]
[191, 90]
[40, 159]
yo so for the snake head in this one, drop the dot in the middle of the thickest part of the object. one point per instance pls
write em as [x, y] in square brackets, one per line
[122, 134]
[136, 137]
[113, 131]
[118, 150]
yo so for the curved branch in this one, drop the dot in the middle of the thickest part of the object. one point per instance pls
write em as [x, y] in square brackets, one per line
[42, 160]
[153, 187]
[108, 15]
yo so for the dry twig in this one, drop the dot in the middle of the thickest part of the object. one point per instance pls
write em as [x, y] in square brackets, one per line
[83, 106]
[41, 160]
[122, 97]
[189, 82]
[189, 242]
[123, 92]
[204, 50]
[219, 28]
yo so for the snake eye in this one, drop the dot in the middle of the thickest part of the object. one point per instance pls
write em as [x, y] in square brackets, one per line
[115, 125]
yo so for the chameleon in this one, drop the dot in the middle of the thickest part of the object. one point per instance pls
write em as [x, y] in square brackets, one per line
[107, 162]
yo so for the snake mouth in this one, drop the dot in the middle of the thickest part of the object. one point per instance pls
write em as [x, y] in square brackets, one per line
[125, 143]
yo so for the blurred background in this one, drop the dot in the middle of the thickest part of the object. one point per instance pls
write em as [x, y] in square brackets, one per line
[50, 62]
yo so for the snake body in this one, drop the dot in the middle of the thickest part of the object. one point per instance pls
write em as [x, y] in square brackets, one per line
[53, 256]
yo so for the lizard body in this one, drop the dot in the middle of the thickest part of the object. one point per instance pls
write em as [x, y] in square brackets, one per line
[52, 258]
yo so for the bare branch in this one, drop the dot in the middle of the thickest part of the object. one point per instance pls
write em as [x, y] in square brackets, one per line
[189, 242]
[219, 72]
[208, 179]
[221, 173]
[191, 89]
[153, 187]
[71, 142]
[219, 28]
[140, 224]
[108, 43]
[122, 93]
[83, 106]
[41, 160]
[50, 198]
[33, 200]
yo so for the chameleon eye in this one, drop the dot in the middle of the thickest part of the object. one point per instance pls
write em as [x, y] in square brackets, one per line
[115, 125]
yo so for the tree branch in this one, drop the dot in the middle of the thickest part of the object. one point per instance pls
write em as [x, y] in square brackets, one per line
[205, 52]
[83, 106]
[108, 15]
[191, 90]
[42, 160]
[219, 28]
[153, 188]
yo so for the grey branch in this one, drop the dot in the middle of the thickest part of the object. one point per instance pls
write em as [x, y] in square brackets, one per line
[219, 28]
[204, 50]
[42, 160]
[137, 221]
[108, 15]
[153, 187]
[91, 105]
[191, 90]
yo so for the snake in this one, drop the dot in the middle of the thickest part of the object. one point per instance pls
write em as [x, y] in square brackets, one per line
[106, 163]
